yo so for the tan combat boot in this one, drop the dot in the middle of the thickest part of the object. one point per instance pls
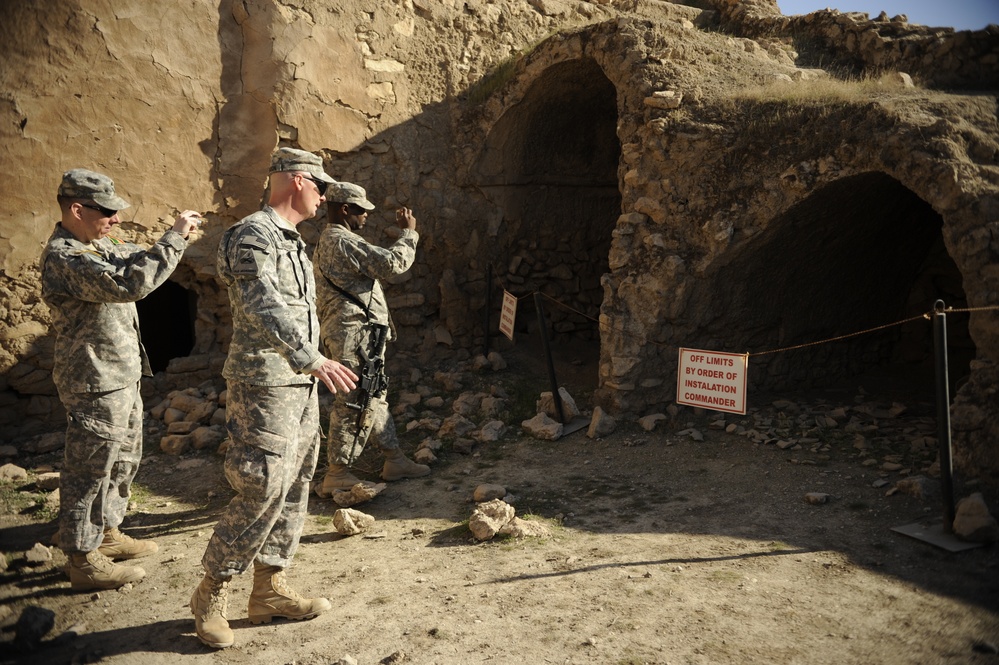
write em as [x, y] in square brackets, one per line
[338, 477]
[208, 605]
[117, 545]
[397, 466]
[93, 570]
[271, 597]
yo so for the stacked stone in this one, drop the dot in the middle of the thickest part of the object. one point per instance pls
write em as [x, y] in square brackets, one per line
[194, 419]
[475, 416]
[554, 267]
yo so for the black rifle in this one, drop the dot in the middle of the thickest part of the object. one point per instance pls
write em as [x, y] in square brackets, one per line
[372, 384]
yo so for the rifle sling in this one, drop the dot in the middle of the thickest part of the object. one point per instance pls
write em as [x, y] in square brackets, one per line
[357, 301]
[351, 297]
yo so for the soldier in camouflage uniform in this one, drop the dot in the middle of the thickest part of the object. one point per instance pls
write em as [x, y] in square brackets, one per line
[272, 408]
[90, 281]
[351, 307]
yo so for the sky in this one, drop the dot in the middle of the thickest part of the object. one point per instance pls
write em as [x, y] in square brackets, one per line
[959, 14]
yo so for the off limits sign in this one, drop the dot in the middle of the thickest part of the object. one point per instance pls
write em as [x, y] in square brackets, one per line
[712, 380]
[508, 314]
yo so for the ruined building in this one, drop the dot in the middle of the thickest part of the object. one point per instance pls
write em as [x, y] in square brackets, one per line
[709, 174]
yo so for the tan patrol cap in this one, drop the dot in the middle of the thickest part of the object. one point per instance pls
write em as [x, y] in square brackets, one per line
[348, 192]
[92, 186]
[292, 159]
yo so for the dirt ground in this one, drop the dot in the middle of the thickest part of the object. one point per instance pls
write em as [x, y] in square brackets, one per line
[664, 549]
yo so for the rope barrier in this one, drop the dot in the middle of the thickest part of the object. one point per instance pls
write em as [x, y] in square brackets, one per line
[839, 337]
[925, 316]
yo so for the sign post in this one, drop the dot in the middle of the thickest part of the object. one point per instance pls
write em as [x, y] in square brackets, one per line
[712, 380]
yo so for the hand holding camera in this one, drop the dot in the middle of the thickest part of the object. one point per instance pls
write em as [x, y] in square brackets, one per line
[405, 219]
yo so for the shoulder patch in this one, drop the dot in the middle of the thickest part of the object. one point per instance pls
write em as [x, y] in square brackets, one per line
[251, 253]
[247, 261]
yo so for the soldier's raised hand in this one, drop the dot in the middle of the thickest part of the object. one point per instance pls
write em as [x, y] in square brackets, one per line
[187, 222]
[405, 219]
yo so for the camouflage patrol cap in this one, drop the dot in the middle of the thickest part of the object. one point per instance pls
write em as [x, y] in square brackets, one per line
[291, 159]
[93, 186]
[348, 192]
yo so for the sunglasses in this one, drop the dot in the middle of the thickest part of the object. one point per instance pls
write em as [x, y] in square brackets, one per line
[320, 185]
[355, 209]
[106, 212]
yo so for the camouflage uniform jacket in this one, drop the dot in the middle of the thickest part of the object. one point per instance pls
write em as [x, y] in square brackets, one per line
[354, 265]
[272, 294]
[91, 290]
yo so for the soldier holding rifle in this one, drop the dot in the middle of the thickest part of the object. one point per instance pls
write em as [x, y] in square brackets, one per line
[355, 324]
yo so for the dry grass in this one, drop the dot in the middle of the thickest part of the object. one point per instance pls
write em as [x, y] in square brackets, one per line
[828, 90]
[776, 110]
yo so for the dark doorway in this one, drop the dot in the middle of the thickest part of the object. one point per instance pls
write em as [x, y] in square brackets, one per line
[166, 321]
[858, 254]
[551, 164]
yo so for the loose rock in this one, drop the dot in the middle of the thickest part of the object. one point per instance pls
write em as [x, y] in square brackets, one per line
[359, 493]
[350, 522]
[489, 517]
[973, 522]
[487, 492]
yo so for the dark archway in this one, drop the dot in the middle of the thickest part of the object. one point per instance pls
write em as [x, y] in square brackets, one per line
[857, 254]
[551, 164]
[166, 321]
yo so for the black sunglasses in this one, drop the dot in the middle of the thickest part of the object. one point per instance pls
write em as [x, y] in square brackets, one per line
[355, 209]
[106, 212]
[320, 185]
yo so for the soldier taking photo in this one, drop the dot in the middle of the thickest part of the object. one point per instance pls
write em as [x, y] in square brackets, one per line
[355, 324]
[91, 282]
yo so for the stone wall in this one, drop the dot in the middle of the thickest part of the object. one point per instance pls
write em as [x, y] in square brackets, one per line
[605, 154]
[853, 41]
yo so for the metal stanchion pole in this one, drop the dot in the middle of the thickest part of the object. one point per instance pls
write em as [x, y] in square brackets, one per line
[489, 305]
[943, 412]
[543, 326]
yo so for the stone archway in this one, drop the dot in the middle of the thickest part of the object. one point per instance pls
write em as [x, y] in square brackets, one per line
[550, 164]
[856, 254]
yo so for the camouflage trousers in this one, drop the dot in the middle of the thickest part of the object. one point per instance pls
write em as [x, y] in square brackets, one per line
[103, 449]
[270, 461]
[340, 441]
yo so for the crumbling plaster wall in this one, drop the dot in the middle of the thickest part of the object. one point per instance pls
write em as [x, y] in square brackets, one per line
[112, 86]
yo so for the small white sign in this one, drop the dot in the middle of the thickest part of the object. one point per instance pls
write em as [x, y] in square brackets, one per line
[712, 380]
[508, 314]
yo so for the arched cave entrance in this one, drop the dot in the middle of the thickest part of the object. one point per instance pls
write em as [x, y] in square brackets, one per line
[166, 322]
[550, 164]
[860, 253]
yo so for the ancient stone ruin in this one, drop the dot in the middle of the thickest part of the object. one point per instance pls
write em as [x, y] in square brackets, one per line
[709, 174]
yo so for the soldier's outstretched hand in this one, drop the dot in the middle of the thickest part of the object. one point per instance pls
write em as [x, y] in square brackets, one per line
[336, 376]
[405, 219]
